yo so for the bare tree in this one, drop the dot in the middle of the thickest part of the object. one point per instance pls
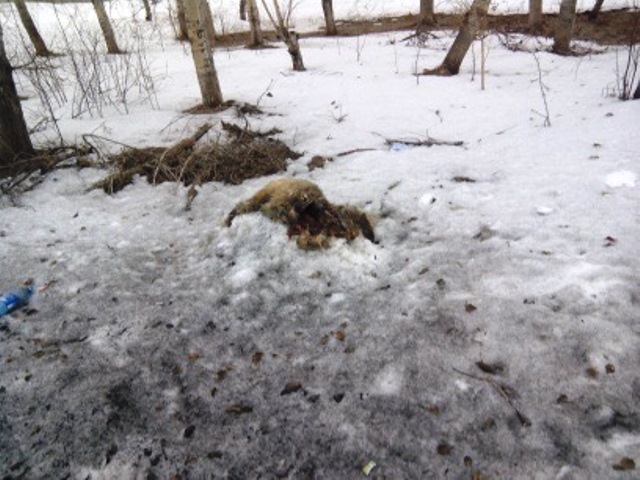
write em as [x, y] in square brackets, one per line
[564, 28]
[427, 15]
[105, 26]
[14, 136]
[182, 21]
[329, 19]
[467, 33]
[636, 94]
[249, 10]
[147, 10]
[289, 37]
[32, 30]
[195, 14]
[535, 15]
[592, 14]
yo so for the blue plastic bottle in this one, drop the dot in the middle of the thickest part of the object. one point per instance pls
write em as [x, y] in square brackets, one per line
[14, 300]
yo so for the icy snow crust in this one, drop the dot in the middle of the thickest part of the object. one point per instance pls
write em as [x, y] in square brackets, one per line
[168, 344]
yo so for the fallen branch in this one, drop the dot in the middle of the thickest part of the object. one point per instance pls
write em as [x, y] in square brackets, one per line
[43, 162]
[187, 143]
[355, 150]
[428, 142]
[504, 391]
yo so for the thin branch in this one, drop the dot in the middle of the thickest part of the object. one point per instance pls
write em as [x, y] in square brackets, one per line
[502, 391]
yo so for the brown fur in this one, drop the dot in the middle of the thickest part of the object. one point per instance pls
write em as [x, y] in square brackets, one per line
[303, 208]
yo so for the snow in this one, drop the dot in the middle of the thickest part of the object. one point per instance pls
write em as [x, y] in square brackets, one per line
[165, 340]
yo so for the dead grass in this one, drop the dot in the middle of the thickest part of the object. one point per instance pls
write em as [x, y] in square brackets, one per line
[240, 155]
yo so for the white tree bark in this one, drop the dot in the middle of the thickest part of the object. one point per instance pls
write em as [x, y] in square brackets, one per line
[201, 52]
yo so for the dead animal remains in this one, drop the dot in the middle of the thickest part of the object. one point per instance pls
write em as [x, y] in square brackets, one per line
[308, 215]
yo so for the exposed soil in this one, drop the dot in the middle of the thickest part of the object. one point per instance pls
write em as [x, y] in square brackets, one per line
[618, 27]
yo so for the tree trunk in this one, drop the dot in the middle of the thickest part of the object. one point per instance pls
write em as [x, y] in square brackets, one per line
[329, 19]
[105, 26]
[208, 22]
[293, 47]
[182, 21]
[201, 50]
[535, 15]
[14, 136]
[468, 31]
[256, 38]
[147, 10]
[427, 16]
[564, 28]
[636, 94]
[592, 15]
[289, 37]
[32, 30]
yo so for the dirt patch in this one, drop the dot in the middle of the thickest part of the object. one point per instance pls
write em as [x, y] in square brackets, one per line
[611, 27]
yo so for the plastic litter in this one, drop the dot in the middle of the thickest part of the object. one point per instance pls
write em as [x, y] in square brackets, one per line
[400, 147]
[368, 468]
[18, 299]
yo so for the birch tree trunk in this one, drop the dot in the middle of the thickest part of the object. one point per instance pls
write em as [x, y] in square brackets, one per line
[250, 8]
[427, 15]
[208, 22]
[564, 28]
[535, 15]
[636, 94]
[201, 52]
[14, 136]
[467, 33]
[105, 26]
[182, 21]
[256, 37]
[329, 19]
[32, 30]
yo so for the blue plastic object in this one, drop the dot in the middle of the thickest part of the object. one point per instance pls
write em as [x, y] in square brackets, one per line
[14, 300]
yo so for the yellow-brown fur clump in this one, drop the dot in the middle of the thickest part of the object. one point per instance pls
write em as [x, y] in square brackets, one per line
[303, 208]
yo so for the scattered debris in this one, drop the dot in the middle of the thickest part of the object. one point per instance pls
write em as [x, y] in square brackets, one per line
[491, 369]
[444, 448]
[291, 387]
[462, 179]
[368, 468]
[239, 409]
[485, 233]
[318, 161]
[625, 464]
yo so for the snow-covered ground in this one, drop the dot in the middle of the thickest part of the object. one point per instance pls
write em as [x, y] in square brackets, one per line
[167, 344]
